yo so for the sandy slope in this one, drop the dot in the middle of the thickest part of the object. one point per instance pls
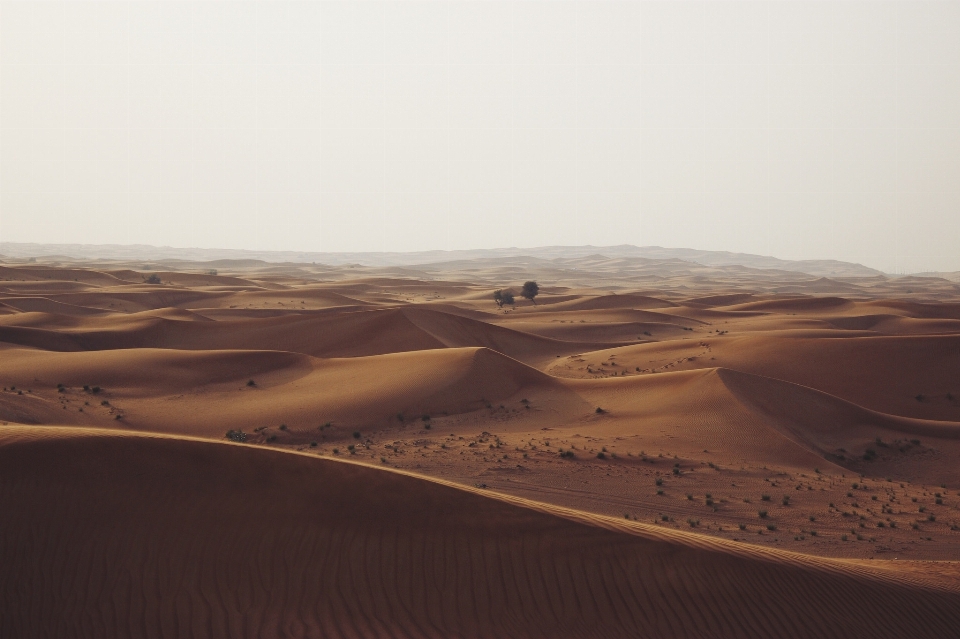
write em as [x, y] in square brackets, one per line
[110, 535]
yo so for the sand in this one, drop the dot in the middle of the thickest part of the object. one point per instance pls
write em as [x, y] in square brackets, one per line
[720, 455]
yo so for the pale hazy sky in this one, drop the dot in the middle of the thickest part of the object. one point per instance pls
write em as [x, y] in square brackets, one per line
[794, 129]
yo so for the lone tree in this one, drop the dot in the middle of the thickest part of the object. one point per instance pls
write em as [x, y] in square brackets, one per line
[153, 279]
[530, 290]
[502, 297]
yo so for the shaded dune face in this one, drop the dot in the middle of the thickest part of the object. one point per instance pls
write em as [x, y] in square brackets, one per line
[113, 535]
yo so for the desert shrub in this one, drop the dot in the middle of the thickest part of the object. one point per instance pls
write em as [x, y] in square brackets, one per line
[251, 383]
[283, 427]
[313, 444]
[601, 455]
[272, 438]
[236, 436]
[771, 527]
[567, 454]
[425, 418]
[786, 500]
[659, 481]
[153, 279]
[742, 526]
[356, 434]
[762, 514]
[659, 492]
[765, 497]
[600, 411]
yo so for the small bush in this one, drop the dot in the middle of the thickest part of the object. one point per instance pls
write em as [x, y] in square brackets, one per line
[600, 411]
[742, 526]
[762, 514]
[313, 444]
[601, 455]
[251, 383]
[765, 497]
[425, 418]
[659, 481]
[356, 434]
[236, 435]
[283, 427]
[771, 527]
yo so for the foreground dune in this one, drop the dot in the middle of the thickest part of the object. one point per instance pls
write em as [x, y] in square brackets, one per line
[107, 534]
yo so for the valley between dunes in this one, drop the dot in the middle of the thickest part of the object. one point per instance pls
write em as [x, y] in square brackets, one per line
[249, 449]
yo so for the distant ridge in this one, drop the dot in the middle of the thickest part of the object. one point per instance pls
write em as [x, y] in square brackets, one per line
[820, 268]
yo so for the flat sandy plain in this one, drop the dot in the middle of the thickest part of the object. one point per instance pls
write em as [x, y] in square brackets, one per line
[653, 449]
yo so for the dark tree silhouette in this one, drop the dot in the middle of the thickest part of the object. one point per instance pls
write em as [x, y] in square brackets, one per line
[530, 290]
[498, 298]
[508, 298]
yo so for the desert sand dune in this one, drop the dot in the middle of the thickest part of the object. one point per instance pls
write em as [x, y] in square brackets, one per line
[112, 536]
[909, 376]
[207, 393]
[694, 455]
